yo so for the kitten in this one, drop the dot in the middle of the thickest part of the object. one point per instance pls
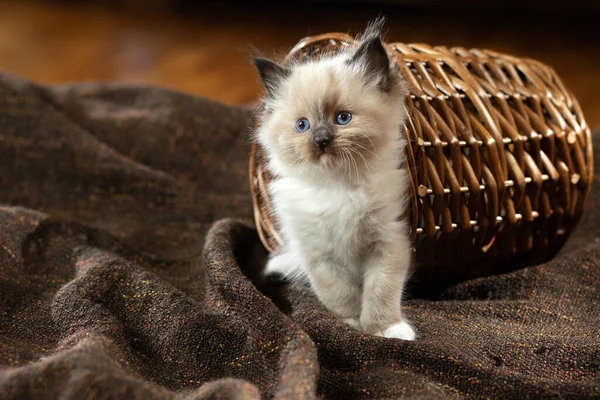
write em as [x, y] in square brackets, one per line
[332, 132]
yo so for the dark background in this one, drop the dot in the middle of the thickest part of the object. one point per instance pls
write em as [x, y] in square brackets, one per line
[202, 47]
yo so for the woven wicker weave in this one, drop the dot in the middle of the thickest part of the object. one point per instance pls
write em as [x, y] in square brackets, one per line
[499, 154]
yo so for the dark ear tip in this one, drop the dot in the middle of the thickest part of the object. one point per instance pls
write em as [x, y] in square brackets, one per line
[260, 61]
[376, 42]
[263, 63]
[270, 72]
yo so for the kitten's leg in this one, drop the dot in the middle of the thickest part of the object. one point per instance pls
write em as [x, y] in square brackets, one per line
[338, 290]
[354, 322]
[385, 273]
[283, 266]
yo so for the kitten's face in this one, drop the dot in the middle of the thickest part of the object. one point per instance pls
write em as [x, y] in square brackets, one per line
[334, 115]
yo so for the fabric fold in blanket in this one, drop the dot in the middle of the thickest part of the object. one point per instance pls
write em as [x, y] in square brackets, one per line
[129, 265]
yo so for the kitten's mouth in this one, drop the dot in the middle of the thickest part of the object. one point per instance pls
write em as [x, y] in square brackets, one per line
[326, 156]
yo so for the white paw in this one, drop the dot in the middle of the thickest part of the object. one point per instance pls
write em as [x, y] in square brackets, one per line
[401, 330]
[284, 268]
[278, 264]
[353, 322]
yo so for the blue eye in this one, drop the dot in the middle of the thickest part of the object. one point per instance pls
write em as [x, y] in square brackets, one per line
[343, 118]
[302, 125]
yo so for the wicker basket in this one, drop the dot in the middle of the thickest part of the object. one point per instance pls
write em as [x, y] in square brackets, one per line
[499, 154]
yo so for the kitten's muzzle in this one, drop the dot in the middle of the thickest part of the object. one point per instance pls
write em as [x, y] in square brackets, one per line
[322, 139]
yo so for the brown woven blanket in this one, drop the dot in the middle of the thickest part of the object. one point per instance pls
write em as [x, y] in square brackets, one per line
[126, 262]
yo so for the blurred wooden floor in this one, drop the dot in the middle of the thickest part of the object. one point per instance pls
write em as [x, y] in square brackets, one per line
[205, 53]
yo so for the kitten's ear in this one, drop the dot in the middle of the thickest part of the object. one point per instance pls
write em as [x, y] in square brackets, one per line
[372, 56]
[271, 73]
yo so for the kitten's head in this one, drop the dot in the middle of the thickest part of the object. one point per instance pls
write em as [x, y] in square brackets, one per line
[336, 116]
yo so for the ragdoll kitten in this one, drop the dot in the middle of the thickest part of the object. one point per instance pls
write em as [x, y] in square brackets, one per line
[331, 130]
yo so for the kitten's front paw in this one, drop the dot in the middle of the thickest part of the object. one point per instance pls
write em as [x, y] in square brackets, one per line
[353, 322]
[401, 330]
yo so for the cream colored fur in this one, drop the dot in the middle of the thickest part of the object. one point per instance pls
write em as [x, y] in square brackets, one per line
[339, 212]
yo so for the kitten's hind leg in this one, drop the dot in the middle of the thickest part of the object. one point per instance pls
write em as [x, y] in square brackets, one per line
[283, 267]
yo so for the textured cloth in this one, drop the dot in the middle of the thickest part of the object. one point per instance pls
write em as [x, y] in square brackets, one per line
[113, 284]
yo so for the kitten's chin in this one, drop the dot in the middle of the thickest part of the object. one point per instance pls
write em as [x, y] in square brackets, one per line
[326, 159]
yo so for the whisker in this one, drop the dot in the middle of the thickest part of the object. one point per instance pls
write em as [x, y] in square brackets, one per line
[364, 148]
[342, 153]
[343, 161]
[367, 165]
[350, 149]
[371, 141]
[346, 163]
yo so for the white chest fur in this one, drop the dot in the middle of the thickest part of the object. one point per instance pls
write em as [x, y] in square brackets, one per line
[337, 221]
